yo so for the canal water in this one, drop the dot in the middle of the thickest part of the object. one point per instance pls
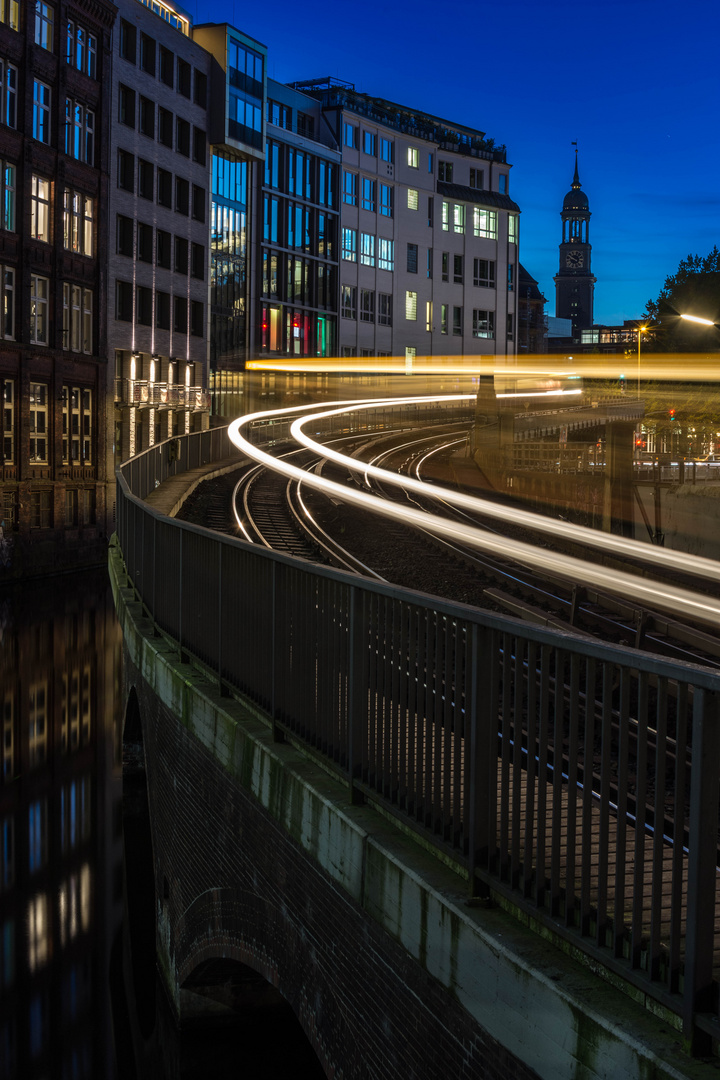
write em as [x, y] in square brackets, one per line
[66, 1012]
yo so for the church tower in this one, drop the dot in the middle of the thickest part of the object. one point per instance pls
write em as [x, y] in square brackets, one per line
[574, 281]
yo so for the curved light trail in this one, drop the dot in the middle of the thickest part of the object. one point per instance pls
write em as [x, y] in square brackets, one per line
[650, 593]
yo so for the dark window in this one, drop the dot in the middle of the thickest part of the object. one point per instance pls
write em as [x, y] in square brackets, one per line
[167, 66]
[484, 273]
[200, 88]
[164, 187]
[163, 246]
[197, 261]
[458, 269]
[430, 212]
[147, 117]
[445, 171]
[181, 255]
[128, 41]
[305, 125]
[123, 300]
[144, 305]
[184, 77]
[445, 266]
[457, 321]
[197, 321]
[126, 112]
[124, 235]
[146, 177]
[477, 179]
[147, 54]
[198, 211]
[180, 314]
[165, 127]
[199, 145]
[162, 310]
[182, 195]
[182, 144]
[126, 171]
[412, 257]
[145, 242]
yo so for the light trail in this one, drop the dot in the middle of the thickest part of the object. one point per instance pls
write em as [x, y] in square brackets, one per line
[651, 593]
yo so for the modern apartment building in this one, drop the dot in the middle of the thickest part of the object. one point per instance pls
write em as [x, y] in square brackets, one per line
[428, 231]
[54, 108]
[158, 220]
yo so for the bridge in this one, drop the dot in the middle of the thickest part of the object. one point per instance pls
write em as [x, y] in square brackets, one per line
[458, 845]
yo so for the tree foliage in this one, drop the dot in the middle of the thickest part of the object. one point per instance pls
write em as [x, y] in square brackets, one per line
[693, 290]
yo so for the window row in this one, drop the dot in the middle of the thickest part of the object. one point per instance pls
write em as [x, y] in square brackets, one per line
[299, 227]
[368, 309]
[281, 116]
[295, 172]
[371, 248]
[135, 110]
[155, 59]
[77, 311]
[156, 246]
[152, 307]
[303, 281]
[372, 194]
[77, 423]
[159, 185]
[484, 222]
[369, 141]
[483, 321]
[452, 268]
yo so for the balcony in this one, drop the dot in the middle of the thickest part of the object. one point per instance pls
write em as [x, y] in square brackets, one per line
[140, 393]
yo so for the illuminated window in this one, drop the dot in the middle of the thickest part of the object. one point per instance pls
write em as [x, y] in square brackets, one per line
[37, 719]
[367, 249]
[386, 200]
[384, 309]
[412, 157]
[74, 905]
[367, 305]
[44, 24]
[77, 318]
[77, 450]
[39, 304]
[411, 305]
[459, 218]
[429, 316]
[78, 222]
[484, 273]
[484, 324]
[445, 217]
[386, 254]
[7, 196]
[412, 199]
[40, 209]
[512, 228]
[348, 305]
[10, 13]
[8, 93]
[443, 318]
[38, 931]
[485, 223]
[368, 194]
[75, 715]
[42, 99]
[7, 386]
[7, 302]
[349, 245]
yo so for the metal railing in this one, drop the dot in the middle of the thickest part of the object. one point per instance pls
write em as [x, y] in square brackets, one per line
[142, 392]
[574, 780]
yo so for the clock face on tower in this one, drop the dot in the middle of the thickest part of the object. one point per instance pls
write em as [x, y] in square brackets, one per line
[574, 260]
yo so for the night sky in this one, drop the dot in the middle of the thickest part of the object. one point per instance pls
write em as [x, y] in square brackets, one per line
[634, 82]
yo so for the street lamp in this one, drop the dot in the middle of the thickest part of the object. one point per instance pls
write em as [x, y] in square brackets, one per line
[641, 330]
[696, 318]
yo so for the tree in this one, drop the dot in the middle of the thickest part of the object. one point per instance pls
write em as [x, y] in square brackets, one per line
[693, 290]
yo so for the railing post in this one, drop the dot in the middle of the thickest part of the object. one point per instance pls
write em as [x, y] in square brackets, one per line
[357, 688]
[702, 858]
[481, 734]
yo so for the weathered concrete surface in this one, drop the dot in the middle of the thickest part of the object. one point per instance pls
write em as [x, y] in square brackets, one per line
[554, 1018]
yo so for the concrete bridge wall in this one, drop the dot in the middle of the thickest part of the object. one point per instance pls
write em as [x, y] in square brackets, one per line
[258, 857]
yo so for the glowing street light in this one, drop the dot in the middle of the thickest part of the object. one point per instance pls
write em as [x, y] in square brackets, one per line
[641, 330]
[696, 318]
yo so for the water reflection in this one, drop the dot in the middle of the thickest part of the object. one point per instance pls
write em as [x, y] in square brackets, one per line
[61, 881]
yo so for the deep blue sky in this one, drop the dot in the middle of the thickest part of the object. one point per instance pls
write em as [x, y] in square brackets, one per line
[635, 82]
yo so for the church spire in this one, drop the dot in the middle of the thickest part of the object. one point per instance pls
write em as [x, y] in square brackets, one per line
[576, 179]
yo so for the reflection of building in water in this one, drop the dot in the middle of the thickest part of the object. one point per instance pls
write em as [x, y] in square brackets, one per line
[60, 809]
